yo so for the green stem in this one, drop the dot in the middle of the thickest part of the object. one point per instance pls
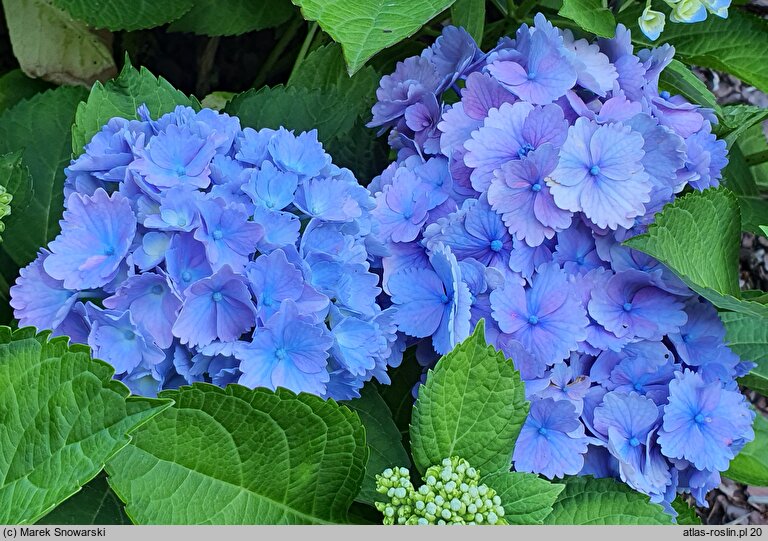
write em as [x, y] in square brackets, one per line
[277, 52]
[757, 158]
[524, 8]
[304, 49]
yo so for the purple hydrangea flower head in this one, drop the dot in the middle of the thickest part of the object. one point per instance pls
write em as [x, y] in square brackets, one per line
[229, 238]
[546, 318]
[630, 304]
[38, 300]
[510, 133]
[117, 339]
[552, 440]
[96, 234]
[542, 74]
[412, 79]
[217, 307]
[519, 193]
[453, 54]
[433, 301]
[289, 351]
[176, 156]
[704, 423]
[600, 173]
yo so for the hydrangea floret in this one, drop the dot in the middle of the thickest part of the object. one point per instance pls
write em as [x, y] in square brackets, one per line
[451, 494]
[194, 250]
[511, 204]
[652, 21]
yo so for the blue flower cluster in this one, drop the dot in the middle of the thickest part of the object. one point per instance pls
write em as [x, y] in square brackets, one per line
[652, 22]
[194, 250]
[520, 172]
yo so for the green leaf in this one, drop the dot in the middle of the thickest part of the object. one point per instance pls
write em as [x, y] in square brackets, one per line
[697, 236]
[471, 15]
[125, 14]
[15, 86]
[586, 500]
[734, 45]
[590, 15]
[121, 97]
[15, 178]
[49, 44]
[94, 504]
[382, 437]
[359, 150]
[764, 228]
[527, 498]
[62, 416]
[737, 119]
[217, 100]
[738, 177]
[686, 514]
[232, 17]
[472, 406]
[47, 118]
[678, 79]
[747, 336]
[242, 456]
[751, 465]
[365, 27]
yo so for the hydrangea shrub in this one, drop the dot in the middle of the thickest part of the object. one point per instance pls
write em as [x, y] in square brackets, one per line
[519, 173]
[193, 250]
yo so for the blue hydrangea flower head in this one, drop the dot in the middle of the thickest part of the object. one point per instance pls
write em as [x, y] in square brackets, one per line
[704, 423]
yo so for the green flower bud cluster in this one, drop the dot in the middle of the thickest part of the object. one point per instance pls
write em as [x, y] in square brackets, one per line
[451, 494]
[5, 206]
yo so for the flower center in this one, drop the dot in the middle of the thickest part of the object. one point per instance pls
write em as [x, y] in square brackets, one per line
[407, 214]
[700, 419]
[634, 442]
[444, 298]
[531, 75]
[533, 320]
[524, 150]
[580, 260]
[157, 289]
[181, 171]
[109, 250]
[594, 170]
[280, 354]
[543, 431]
[217, 296]
[181, 221]
[217, 234]
[496, 245]
[638, 387]
[129, 335]
[536, 187]
[186, 276]
[627, 306]
[686, 338]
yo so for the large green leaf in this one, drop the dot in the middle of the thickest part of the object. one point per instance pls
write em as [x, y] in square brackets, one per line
[590, 15]
[62, 416]
[751, 465]
[739, 177]
[382, 437]
[686, 515]
[527, 498]
[698, 237]
[15, 178]
[365, 27]
[473, 406]
[734, 45]
[676, 78]
[121, 97]
[125, 14]
[242, 456]
[737, 119]
[232, 17]
[48, 43]
[748, 338]
[40, 127]
[15, 86]
[470, 14]
[94, 504]
[603, 501]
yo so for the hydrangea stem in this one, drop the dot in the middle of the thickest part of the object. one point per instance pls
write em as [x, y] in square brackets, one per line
[304, 48]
